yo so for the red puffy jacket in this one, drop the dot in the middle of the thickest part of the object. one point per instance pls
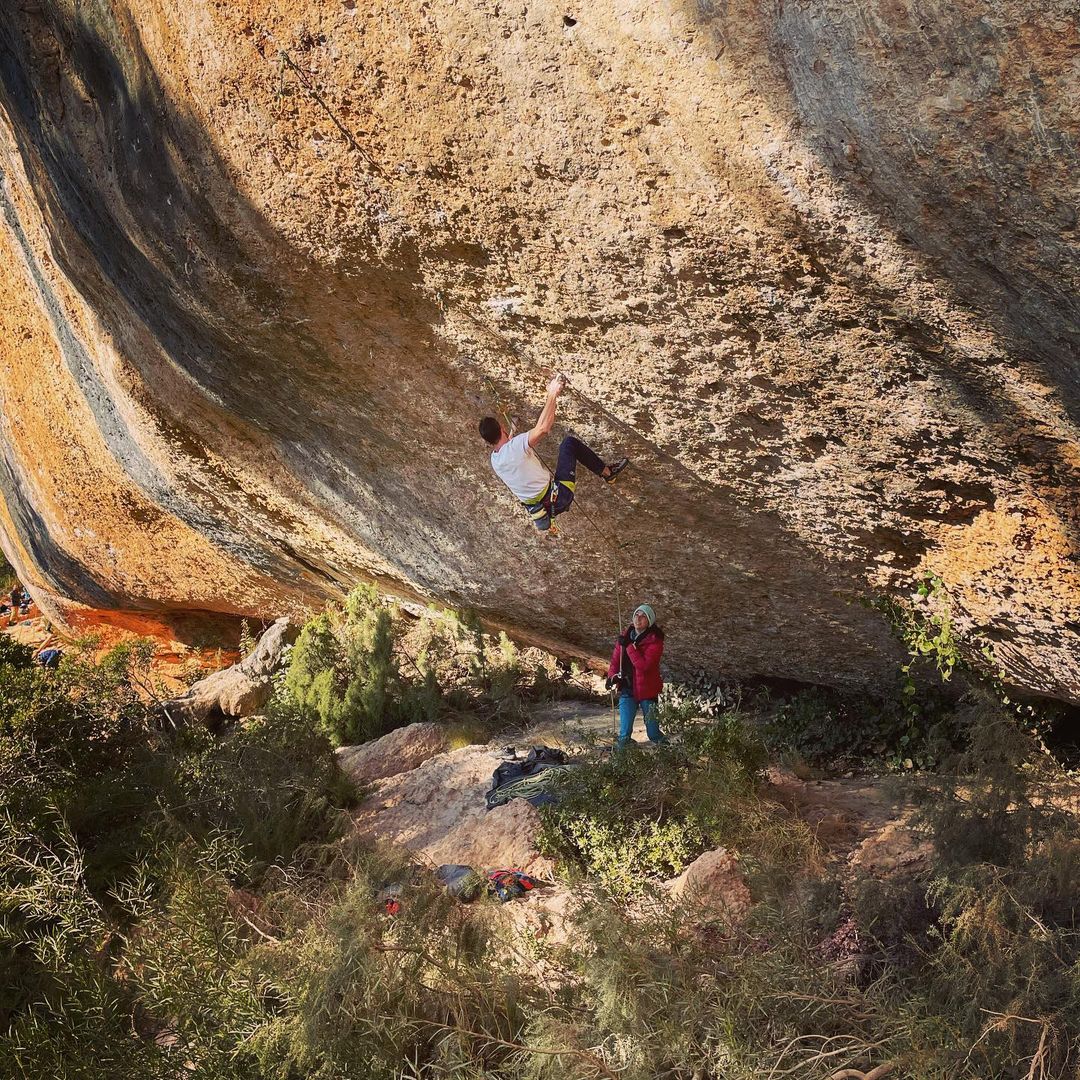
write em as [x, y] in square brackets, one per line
[645, 658]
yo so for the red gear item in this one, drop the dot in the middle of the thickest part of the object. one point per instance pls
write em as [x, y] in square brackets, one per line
[645, 658]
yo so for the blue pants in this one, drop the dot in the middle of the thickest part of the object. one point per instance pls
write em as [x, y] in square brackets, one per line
[572, 452]
[628, 707]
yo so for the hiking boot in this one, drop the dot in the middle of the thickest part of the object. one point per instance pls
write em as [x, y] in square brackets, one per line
[615, 468]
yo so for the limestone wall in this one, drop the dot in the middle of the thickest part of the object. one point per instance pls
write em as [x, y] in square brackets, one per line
[813, 266]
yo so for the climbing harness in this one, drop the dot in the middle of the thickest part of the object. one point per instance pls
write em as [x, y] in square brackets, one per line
[540, 508]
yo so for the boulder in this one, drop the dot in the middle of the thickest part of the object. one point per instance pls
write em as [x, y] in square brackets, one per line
[713, 887]
[438, 812]
[397, 752]
[240, 690]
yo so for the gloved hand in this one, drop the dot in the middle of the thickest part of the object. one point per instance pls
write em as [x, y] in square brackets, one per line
[624, 639]
[613, 682]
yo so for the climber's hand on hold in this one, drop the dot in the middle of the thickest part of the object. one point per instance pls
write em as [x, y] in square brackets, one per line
[546, 420]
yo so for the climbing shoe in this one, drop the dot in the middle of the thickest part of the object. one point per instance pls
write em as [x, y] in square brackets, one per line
[615, 468]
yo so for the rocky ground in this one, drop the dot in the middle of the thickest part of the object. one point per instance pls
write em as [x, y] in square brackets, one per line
[430, 801]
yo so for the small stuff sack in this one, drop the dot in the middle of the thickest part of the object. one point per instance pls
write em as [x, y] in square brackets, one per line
[510, 884]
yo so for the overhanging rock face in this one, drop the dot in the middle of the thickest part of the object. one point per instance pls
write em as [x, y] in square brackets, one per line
[812, 266]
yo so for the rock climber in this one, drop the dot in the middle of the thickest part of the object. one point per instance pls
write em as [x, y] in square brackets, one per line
[634, 672]
[521, 470]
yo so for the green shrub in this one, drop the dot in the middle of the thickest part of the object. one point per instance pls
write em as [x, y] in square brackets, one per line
[626, 854]
[78, 719]
[918, 724]
[188, 903]
[220, 958]
[639, 815]
[188, 931]
[64, 1012]
[1005, 955]
[344, 676]
[360, 672]
[92, 795]
[272, 783]
[486, 677]
[835, 731]
[66, 736]
[924, 711]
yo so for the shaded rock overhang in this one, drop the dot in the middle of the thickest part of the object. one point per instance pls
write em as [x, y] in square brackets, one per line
[813, 267]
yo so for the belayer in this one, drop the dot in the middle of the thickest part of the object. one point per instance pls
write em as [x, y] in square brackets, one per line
[521, 470]
[634, 672]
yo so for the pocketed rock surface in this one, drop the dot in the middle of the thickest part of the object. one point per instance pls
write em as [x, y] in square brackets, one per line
[812, 266]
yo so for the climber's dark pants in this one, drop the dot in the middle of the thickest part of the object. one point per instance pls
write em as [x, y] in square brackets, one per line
[558, 497]
[572, 451]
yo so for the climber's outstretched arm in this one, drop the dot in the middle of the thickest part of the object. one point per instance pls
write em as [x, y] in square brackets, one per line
[546, 420]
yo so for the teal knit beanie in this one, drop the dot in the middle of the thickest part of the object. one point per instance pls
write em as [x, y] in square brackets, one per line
[647, 611]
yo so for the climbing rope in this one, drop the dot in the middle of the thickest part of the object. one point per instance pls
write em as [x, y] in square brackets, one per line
[493, 392]
[505, 343]
[606, 538]
[302, 78]
[614, 548]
